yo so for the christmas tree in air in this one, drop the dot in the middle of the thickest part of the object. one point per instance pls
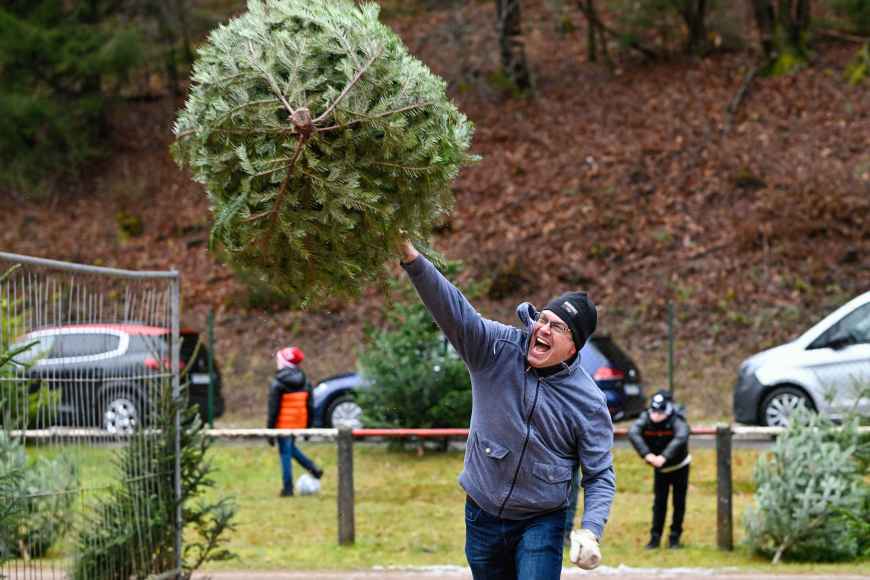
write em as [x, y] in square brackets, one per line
[321, 142]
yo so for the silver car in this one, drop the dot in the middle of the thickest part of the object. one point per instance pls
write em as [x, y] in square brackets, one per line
[824, 369]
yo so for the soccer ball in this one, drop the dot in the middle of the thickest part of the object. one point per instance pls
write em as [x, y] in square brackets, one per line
[307, 485]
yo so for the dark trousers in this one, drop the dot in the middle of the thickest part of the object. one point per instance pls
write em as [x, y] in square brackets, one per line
[662, 482]
[500, 549]
[288, 451]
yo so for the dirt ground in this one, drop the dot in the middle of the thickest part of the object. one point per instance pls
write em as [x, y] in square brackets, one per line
[456, 573]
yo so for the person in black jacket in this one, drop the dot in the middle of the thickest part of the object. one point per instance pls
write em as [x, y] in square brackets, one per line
[290, 407]
[661, 437]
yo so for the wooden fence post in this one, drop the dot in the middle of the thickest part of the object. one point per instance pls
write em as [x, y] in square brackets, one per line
[724, 522]
[346, 532]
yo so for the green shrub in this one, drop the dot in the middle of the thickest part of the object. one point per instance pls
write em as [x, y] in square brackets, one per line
[55, 59]
[856, 13]
[858, 68]
[811, 502]
[43, 493]
[419, 381]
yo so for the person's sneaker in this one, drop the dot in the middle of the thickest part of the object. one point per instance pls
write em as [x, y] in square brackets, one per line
[674, 544]
[286, 493]
[317, 473]
[653, 544]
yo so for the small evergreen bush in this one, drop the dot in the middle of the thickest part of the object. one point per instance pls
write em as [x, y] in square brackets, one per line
[19, 407]
[43, 493]
[36, 498]
[811, 502]
[112, 545]
[321, 142]
[418, 379]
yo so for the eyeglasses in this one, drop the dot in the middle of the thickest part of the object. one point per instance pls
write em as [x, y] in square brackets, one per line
[555, 325]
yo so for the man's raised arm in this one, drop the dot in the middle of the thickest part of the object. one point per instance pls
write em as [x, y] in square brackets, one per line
[469, 333]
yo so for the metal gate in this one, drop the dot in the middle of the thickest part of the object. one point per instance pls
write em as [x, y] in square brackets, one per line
[89, 422]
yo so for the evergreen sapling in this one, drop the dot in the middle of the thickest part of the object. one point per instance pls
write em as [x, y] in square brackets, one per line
[810, 492]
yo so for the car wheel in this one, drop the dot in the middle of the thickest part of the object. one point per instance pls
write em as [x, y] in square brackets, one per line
[779, 405]
[120, 412]
[345, 411]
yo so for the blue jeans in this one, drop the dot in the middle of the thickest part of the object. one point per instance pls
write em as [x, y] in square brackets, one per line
[500, 549]
[288, 451]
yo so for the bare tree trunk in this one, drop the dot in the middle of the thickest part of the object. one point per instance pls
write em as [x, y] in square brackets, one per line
[782, 27]
[764, 14]
[591, 14]
[801, 21]
[181, 9]
[511, 47]
[694, 13]
[591, 36]
[163, 13]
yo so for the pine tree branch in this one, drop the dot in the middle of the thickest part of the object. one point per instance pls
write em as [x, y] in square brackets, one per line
[349, 86]
[282, 191]
[231, 112]
[275, 170]
[407, 167]
[252, 131]
[372, 117]
[275, 88]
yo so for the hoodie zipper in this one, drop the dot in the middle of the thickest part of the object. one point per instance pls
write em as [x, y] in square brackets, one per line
[525, 441]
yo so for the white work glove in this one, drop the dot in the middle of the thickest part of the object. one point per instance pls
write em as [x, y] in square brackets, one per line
[584, 549]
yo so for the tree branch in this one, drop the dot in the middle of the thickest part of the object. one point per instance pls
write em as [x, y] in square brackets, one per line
[840, 35]
[275, 88]
[737, 100]
[378, 116]
[349, 86]
[282, 192]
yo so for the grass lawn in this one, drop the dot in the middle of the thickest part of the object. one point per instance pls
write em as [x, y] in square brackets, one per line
[409, 511]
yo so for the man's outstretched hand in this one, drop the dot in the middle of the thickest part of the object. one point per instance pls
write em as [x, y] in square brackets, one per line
[407, 251]
[585, 552]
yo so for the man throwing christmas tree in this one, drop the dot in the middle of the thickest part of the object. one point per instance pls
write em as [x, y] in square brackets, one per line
[535, 415]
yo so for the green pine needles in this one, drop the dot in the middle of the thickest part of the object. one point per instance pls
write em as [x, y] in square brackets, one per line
[321, 142]
[812, 502]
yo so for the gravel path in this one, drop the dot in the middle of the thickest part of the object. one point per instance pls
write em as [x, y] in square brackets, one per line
[458, 573]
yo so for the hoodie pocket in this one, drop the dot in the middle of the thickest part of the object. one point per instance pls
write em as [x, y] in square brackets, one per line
[550, 473]
[547, 488]
[491, 449]
[488, 472]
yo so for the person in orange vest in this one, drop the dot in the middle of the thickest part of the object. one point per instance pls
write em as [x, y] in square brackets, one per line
[290, 408]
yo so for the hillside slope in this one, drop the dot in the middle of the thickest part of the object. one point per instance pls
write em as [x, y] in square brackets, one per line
[623, 184]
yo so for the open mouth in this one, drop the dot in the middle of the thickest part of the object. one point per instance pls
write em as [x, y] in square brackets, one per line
[540, 347]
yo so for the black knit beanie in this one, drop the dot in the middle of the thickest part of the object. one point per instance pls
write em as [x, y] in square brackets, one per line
[578, 312]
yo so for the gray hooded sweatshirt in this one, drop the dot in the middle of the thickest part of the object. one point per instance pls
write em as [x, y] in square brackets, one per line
[527, 433]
